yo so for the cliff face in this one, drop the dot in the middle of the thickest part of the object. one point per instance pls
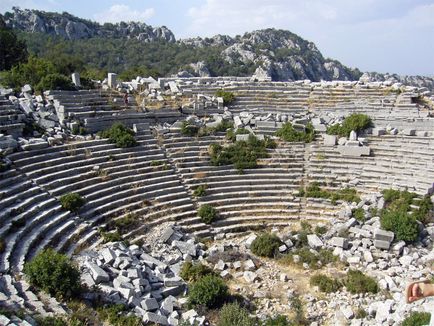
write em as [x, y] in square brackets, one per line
[74, 28]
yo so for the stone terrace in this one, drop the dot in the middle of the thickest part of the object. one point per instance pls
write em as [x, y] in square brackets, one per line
[11, 118]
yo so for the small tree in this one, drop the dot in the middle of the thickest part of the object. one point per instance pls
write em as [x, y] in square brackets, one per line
[72, 202]
[54, 273]
[209, 291]
[266, 245]
[207, 213]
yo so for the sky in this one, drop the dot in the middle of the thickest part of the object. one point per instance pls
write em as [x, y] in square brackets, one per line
[394, 36]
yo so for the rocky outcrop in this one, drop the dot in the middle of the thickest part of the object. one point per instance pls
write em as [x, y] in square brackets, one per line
[417, 81]
[73, 28]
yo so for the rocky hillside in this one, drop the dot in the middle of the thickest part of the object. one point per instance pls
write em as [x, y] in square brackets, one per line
[278, 54]
[74, 28]
[270, 53]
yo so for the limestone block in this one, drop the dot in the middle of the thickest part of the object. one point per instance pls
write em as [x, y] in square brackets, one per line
[409, 132]
[249, 265]
[243, 137]
[250, 239]
[108, 255]
[383, 235]
[185, 247]
[381, 244]
[329, 140]
[150, 317]
[342, 141]
[98, 274]
[76, 79]
[250, 277]
[149, 304]
[354, 151]
[112, 80]
[360, 232]
[378, 131]
[339, 242]
[314, 242]
[173, 281]
[367, 256]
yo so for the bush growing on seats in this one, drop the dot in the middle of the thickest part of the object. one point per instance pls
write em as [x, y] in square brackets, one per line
[207, 213]
[417, 318]
[325, 284]
[232, 314]
[200, 191]
[209, 291]
[228, 97]
[72, 202]
[289, 134]
[242, 154]
[356, 121]
[266, 245]
[192, 272]
[54, 273]
[120, 135]
[357, 282]
[189, 129]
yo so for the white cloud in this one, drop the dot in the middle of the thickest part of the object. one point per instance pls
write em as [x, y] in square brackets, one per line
[120, 12]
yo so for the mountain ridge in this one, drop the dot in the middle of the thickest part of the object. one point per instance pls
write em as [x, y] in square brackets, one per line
[268, 53]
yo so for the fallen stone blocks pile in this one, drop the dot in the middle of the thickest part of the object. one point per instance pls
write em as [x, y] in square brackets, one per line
[146, 280]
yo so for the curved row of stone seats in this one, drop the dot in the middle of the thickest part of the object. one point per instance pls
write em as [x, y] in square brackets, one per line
[113, 181]
[11, 118]
[264, 193]
[395, 162]
[89, 103]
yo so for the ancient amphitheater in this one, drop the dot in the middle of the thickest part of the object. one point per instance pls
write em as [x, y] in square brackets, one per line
[155, 180]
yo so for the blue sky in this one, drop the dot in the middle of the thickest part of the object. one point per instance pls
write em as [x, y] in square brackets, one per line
[394, 36]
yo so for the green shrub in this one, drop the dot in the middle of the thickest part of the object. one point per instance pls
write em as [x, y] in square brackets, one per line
[51, 321]
[266, 245]
[54, 273]
[207, 213]
[425, 212]
[314, 190]
[359, 214]
[242, 154]
[120, 135]
[200, 191]
[224, 126]
[306, 256]
[228, 97]
[289, 134]
[357, 282]
[417, 319]
[320, 230]
[54, 82]
[72, 202]
[231, 134]
[192, 272]
[356, 121]
[401, 223]
[116, 315]
[277, 321]
[209, 291]
[326, 284]
[126, 223]
[232, 314]
[189, 129]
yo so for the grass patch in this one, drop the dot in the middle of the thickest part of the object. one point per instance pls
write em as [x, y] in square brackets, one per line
[304, 255]
[314, 190]
[417, 319]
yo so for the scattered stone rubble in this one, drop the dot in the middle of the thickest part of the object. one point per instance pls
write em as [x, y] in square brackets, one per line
[145, 278]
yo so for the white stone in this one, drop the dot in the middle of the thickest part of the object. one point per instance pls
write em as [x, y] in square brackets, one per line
[314, 242]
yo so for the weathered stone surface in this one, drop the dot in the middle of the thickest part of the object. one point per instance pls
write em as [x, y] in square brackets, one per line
[98, 274]
[150, 317]
[384, 235]
[314, 241]
[339, 242]
[329, 140]
[250, 277]
[381, 244]
[150, 304]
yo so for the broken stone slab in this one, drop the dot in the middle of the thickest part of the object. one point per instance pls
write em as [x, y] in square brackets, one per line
[150, 304]
[98, 274]
[249, 265]
[353, 136]
[398, 247]
[360, 232]
[383, 235]
[150, 317]
[378, 131]
[151, 261]
[353, 260]
[347, 312]
[342, 141]
[185, 247]
[314, 241]
[339, 242]
[354, 151]
[250, 240]
[173, 281]
[367, 256]
[250, 277]
[329, 140]
[381, 244]
[242, 137]
[172, 291]
[108, 255]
